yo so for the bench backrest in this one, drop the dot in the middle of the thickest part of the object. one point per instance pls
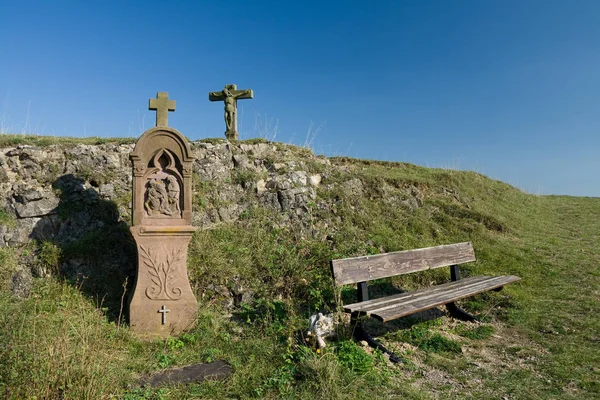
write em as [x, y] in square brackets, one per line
[368, 268]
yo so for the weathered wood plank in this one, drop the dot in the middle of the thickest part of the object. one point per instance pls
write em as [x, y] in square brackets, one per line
[450, 295]
[402, 298]
[390, 313]
[367, 268]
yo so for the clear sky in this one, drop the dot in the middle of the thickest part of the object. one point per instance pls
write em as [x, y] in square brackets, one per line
[510, 89]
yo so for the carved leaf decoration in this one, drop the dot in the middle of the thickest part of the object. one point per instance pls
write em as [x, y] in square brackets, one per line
[162, 274]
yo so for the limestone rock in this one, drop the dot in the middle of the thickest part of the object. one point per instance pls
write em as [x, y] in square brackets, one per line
[20, 283]
[107, 190]
[3, 175]
[91, 187]
[315, 180]
[353, 187]
[39, 207]
[261, 186]
[21, 232]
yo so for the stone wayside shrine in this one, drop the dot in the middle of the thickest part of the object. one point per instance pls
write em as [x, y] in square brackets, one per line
[162, 303]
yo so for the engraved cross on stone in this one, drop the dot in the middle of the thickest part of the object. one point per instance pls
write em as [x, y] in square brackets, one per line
[230, 95]
[164, 312]
[162, 105]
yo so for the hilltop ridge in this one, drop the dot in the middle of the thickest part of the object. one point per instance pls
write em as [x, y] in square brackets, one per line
[271, 216]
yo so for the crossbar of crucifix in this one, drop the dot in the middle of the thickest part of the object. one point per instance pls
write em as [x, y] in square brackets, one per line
[230, 95]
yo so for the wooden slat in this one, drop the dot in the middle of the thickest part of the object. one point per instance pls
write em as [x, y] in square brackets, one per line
[440, 298]
[367, 268]
[381, 303]
[427, 302]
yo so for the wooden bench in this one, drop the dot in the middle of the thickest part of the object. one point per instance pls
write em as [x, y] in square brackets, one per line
[360, 270]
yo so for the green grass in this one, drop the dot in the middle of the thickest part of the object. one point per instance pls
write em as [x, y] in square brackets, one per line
[539, 341]
[7, 140]
[478, 332]
[6, 218]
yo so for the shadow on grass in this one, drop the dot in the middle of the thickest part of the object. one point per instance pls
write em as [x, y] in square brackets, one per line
[96, 252]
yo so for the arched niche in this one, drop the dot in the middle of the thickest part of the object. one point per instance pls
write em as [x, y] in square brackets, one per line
[162, 178]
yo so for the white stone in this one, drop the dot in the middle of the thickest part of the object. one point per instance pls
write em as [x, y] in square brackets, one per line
[315, 180]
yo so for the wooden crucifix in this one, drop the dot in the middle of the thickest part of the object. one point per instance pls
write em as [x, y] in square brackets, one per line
[162, 105]
[230, 95]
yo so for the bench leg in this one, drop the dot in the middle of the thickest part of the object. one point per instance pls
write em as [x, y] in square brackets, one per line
[452, 308]
[359, 334]
[459, 313]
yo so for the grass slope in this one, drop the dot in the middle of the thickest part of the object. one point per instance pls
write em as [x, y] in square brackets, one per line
[539, 339]
[8, 140]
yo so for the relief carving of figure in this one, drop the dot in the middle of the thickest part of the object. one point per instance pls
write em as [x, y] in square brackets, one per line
[162, 196]
[173, 189]
[153, 200]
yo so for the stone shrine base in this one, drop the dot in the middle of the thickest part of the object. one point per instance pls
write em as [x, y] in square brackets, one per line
[162, 303]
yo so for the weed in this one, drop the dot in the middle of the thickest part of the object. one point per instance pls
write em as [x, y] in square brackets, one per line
[478, 332]
[7, 140]
[8, 265]
[280, 381]
[437, 343]
[145, 394]
[243, 177]
[175, 343]
[50, 255]
[213, 140]
[6, 218]
[164, 360]
[353, 357]
[210, 354]
[257, 141]
[421, 336]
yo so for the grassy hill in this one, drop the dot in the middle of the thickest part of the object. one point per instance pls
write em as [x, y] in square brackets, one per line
[539, 339]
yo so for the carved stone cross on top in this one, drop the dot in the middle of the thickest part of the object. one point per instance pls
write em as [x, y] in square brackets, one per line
[230, 95]
[162, 105]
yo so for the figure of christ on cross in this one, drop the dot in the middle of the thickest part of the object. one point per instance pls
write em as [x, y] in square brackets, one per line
[230, 95]
[162, 105]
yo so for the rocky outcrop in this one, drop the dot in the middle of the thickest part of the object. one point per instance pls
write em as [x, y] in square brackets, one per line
[64, 194]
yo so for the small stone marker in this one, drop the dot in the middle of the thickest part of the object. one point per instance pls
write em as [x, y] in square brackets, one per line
[216, 370]
[162, 228]
[230, 95]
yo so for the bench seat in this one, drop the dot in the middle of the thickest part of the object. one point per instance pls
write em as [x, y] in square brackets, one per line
[403, 304]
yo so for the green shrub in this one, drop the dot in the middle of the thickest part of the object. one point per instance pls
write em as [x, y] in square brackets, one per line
[49, 255]
[353, 357]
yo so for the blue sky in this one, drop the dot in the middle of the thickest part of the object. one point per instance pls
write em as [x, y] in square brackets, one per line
[510, 89]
